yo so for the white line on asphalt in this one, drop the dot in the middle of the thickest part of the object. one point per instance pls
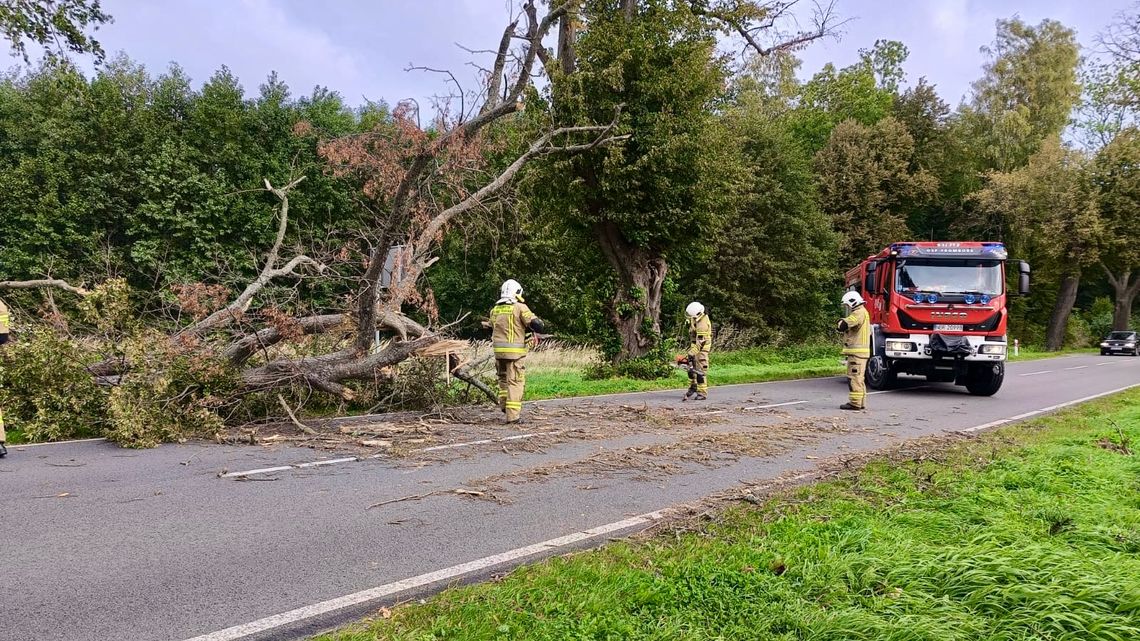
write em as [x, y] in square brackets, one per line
[764, 407]
[78, 440]
[1069, 369]
[328, 462]
[263, 470]
[447, 574]
[1048, 371]
[1051, 408]
[355, 459]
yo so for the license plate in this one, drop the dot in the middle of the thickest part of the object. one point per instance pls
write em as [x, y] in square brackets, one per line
[947, 328]
[1116, 349]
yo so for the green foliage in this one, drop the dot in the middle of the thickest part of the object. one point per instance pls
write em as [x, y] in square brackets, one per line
[654, 366]
[145, 178]
[60, 26]
[1027, 93]
[1099, 317]
[775, 272]
[863, 92]
[45, 388]
[170, 393]
[868, 185]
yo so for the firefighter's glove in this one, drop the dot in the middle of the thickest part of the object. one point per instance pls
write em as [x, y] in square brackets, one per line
[842, 327]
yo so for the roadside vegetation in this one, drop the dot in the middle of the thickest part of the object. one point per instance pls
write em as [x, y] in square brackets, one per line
[182, 256]
[1030, 532]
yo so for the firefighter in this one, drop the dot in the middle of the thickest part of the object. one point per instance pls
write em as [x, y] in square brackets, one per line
[700, 342]
[5, 328]
[856, 328]
[510, 318]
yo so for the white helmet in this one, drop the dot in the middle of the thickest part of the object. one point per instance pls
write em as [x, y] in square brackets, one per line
[510, 290]
[852, 299]
[695, 309]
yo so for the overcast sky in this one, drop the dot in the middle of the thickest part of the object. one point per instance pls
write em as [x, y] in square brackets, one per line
[361, 48]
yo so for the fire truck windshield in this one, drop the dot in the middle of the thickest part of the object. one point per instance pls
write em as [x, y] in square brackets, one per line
[948, 276]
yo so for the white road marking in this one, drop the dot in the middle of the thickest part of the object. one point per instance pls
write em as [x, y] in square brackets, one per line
[1043, 410]
[78, 440]
[356, 459]
[764, 407]
[263, 470]
[447, 574]
[1069, 369]
[1048, 371]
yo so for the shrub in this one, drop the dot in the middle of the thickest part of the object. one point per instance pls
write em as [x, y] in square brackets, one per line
[46, 390]
[171, 392]
[1099, 316]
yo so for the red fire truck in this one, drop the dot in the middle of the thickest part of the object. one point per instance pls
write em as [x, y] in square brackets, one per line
[938, 310]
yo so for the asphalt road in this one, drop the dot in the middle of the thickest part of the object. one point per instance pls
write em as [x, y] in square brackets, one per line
[106, 544]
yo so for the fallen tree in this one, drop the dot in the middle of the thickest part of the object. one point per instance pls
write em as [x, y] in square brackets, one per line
[418, 181]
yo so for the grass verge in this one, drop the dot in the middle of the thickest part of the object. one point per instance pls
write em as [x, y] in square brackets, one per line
[726, 368]
[1032, 532]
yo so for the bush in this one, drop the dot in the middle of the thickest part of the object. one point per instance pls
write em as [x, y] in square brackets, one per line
[171, 392]
[1099, 316]
[46, 390]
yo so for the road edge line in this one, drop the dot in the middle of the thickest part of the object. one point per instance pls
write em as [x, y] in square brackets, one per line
[453, 573]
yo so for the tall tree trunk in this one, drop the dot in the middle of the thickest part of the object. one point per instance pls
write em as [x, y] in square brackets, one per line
[635, 311]
[1126, 290]
[1059, 320]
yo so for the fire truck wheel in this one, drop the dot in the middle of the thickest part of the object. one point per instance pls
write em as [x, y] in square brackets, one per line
[985, 379]
[880, 375]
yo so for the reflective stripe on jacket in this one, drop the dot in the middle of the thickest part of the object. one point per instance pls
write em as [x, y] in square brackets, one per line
[700, 334]
[508, 329]
[857, 338]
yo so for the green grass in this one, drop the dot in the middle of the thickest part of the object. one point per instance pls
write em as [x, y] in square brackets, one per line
[726, 368]
[565, 383]
[1030, 533]
[1033, 354]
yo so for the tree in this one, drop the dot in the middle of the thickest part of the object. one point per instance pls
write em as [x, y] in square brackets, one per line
[862, 92]
[1051, 212]
[1027, 92]
[656, 198]
[60, 26]
[868, 184]
[1116, 176]
[774, 271]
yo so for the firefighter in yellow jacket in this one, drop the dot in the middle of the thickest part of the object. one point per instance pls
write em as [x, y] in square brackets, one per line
[5, 328]
[510, 318]
[856, 328]
[700, 343]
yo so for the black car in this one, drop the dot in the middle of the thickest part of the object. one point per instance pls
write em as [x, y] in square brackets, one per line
[1121, 343]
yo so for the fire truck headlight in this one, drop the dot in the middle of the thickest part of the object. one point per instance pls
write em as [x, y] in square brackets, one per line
[900, 346]
[993, 349]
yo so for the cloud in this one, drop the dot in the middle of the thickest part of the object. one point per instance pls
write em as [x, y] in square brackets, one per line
[251, 37]
[950, 23]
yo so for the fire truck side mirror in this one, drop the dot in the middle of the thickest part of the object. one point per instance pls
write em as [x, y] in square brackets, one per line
[869, 278]
[1022, 278]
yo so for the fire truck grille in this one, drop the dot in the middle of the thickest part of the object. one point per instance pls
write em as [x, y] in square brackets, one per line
[909, 322]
